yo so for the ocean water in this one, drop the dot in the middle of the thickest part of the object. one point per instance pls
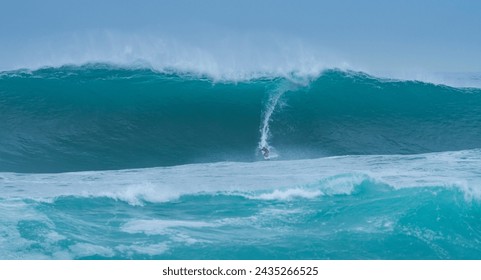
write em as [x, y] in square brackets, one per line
[106, 162]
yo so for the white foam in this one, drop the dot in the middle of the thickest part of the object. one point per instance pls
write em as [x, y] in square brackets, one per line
[160, 227]
[80, 250]
[15, 245]
[138, 194]
[139, 248]
[289, 194]
[342, 183]
[304, 178]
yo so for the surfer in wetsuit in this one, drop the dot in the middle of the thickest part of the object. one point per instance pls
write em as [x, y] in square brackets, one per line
[265, 152]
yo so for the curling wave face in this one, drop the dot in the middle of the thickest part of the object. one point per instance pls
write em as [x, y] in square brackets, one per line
[99, 117]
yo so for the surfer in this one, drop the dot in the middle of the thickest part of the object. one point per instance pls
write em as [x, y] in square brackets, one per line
[265, 152]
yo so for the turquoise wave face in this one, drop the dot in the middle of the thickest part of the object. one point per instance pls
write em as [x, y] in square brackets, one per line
[97, 117]
[386, 207]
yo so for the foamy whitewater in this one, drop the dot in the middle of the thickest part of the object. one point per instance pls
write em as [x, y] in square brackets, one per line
[101, 161]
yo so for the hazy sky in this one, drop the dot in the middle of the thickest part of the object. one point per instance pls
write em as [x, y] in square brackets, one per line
[434, 35]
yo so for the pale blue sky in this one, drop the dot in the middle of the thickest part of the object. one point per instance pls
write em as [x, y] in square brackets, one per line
[380, 35]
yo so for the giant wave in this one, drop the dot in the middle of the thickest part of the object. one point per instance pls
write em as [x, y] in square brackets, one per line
[100, 116]
[111, 162]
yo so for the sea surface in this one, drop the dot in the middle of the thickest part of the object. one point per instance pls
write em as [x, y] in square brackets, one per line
[99, 161]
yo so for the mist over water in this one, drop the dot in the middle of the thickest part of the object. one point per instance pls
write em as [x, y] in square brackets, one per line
[220, 57]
